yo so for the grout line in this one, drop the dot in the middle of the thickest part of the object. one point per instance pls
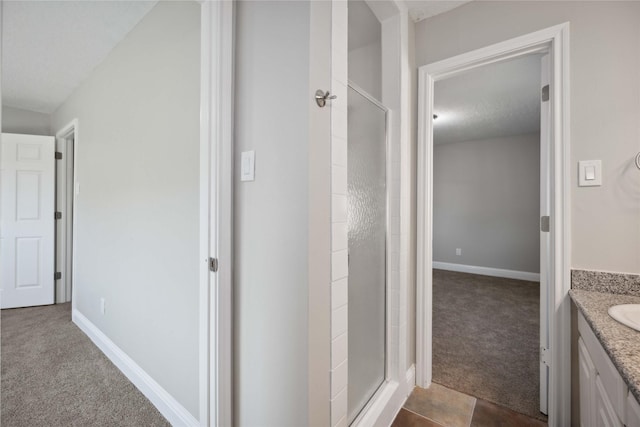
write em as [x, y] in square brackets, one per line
[423, 416]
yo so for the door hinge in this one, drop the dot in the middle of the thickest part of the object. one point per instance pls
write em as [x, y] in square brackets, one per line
[213, 264]
[57, 275]
[58, 215]
[58, 155]
[545, 356]
[545, 93]
[545, 225]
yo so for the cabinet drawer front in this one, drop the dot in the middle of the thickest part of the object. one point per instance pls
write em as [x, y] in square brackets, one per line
[610, 378]
[633, 411]
[587, 386]
[605, 414]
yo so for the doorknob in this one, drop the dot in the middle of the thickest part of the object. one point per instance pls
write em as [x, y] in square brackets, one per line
[322, 97]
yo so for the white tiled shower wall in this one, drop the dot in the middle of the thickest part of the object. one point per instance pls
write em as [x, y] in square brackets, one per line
[339, 231]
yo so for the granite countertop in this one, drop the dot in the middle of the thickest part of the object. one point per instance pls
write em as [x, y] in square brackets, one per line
[621, 343]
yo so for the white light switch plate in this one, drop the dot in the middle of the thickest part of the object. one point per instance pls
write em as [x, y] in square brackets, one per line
[589, 173]
[247, 165]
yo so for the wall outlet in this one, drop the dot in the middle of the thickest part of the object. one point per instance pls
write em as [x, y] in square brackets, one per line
[458, 251]
[102, 305]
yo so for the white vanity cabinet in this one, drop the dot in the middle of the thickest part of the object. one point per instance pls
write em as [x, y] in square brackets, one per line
[605, 400]
[587, 385]
[633, 411]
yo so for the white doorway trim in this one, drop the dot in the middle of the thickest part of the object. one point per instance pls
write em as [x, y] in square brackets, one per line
[216, 225]
[554, 40]
[66, 143]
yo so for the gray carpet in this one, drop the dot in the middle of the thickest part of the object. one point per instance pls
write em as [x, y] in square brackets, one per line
[486, 338]
[53, 375]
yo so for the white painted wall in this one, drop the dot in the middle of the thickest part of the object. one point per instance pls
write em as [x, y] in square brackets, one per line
[17, 120]
[137, 211]
[273, 98]
[605, 88]
[486, 201]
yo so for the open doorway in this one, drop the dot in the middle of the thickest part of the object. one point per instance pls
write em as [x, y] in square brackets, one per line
[554, 223]
[486, 237]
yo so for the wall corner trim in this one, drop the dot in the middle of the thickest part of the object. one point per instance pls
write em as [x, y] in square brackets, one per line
[487, 271]
[168, 406]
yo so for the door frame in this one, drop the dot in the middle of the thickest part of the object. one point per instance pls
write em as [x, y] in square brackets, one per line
[554, 40]
[62, 184]
[544, 237]
[217, 30]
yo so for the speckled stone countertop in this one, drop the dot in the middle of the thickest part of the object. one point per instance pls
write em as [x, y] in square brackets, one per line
[621, 343]
[602, 281]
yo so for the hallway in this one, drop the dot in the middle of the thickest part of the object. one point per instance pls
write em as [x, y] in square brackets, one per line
[53, 375]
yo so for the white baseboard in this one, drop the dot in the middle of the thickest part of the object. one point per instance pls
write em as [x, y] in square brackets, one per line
[173, 411]
[487, 271]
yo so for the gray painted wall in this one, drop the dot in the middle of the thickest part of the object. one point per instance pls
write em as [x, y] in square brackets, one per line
[17, 120]
[365, 68]
[365, 60]
[605, 88]
[486, 201]
[138, 207]
[273, 98]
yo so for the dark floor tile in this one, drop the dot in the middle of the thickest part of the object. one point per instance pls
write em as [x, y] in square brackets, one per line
[487, 414]
[441, 404]
[409, 419]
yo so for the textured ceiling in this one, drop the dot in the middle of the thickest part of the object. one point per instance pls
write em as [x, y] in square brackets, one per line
[492, 101]
[423, 9]
[50, 47]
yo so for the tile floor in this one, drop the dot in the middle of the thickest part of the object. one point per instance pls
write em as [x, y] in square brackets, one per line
[442, 407]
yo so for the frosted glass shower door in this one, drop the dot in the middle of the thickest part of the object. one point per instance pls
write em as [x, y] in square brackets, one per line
[367, 221]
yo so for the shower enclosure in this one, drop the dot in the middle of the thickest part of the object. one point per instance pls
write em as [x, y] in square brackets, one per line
[367, 222]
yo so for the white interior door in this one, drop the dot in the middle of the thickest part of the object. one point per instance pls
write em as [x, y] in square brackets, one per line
[27, 220]
[545, 234]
